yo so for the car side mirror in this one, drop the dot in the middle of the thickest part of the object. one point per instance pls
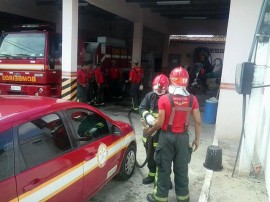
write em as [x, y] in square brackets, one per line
[116, 130]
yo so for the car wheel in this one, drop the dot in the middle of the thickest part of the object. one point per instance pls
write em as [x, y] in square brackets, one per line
[128, 164]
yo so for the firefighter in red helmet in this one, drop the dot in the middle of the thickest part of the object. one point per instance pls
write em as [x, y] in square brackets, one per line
[174, 109]
[149, 111]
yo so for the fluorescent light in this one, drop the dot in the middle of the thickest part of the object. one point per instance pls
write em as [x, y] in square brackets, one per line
[166, 3]
[194, 18]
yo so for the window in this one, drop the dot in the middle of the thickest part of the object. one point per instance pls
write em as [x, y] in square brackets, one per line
[23, 45]
[43, 139]
[88, 125]
[6, 155]
[56, 48]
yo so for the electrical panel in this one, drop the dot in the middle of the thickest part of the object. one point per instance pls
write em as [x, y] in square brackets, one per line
[244, 77]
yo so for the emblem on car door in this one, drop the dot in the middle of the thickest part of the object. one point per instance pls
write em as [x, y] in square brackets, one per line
[102, 155]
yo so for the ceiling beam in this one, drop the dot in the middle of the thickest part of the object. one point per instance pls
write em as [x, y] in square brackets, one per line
[207, 16]
[192, 1]
[153, 5]
[47, 2]
[189, 10]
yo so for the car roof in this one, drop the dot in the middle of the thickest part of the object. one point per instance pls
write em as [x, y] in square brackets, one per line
[15, 108]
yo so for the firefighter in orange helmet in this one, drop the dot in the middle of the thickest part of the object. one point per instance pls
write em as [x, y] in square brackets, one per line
[149, 111]
[174, 109]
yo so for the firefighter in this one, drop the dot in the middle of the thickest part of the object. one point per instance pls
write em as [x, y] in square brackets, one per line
[135, 78]
[149, 111]
[100, 83]
[82, 83]
[173, 145]
[114, 76]
[90, 78]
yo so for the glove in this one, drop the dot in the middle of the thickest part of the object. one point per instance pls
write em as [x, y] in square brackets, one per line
[150, 120]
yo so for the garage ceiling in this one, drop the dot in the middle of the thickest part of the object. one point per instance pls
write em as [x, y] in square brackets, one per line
[171, 9]
[187, 9]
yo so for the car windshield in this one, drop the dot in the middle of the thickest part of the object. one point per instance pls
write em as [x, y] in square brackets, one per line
[22, 45]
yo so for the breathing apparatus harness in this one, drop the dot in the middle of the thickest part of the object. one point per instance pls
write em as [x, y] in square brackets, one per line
[186, 109]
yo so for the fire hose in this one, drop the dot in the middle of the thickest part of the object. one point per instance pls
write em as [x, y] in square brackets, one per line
[148, 141]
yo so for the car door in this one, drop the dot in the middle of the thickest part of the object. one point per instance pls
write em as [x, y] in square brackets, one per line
[50, 168]
[99, 147]
[7, 168]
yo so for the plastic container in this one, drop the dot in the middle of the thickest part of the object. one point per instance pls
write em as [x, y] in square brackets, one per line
[210, 110]
[213, 160]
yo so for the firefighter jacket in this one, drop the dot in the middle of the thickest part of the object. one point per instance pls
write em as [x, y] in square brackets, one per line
[149, 105]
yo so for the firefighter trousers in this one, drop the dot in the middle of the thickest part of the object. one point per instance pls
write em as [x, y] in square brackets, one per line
[172, 147]
[100, 94]
[151, 163]
[81, 93]
[135, 95]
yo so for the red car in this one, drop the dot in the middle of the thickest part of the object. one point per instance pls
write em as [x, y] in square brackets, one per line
[58, 150]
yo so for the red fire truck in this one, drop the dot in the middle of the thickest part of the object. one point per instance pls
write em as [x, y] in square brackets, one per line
[30, 61]
[106, 50]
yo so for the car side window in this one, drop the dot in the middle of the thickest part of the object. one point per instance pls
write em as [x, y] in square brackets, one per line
[42, 139]
[6, 155]
[88, 125]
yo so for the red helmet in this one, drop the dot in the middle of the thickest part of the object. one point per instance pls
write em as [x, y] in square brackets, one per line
[179, 77]
[160, 84]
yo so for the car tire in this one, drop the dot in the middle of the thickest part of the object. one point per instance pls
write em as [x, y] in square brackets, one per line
[128, 164]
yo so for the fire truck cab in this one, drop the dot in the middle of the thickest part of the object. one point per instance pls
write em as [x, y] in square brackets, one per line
[30, 61]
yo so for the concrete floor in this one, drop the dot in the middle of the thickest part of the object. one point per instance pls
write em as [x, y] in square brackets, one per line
[133, 190]
[205, 185]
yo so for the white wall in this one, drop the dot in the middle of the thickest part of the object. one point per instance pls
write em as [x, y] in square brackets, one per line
[240, 33]
[257, 139]
[263, 132]
[255, 146]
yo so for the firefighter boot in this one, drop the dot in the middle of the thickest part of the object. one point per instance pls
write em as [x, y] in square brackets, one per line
[150, 198]
[185, 200]
[148, 180]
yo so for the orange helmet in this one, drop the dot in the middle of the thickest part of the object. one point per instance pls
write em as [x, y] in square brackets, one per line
[160, 84]
[179, 77]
